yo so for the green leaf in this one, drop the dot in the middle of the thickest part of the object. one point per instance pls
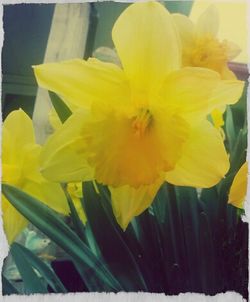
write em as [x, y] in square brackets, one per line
[109, 238]
[91, 241]
[61, 108]
[206, 255]
[7, 287]
[45, 271]
[238, 154]
[230, 129]
[188, 205]
[78, 225]
[50, 224]
[32, 282]
[159, 206]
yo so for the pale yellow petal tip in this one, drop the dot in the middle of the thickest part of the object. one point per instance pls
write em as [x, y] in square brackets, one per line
[18, 112]
[210, 14]
[123, 224]
[38, 67]
[138, 7]
[238, 189]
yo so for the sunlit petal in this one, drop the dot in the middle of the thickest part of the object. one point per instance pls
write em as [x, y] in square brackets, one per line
[147, 44]
[208, 22]
[238, 189]
[83, 82]
[62, 157]
[186, 30]
[195, 92]
[128, 202]
[13, 221]
[204, 161]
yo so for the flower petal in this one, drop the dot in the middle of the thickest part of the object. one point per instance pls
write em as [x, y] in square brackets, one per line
[194, 92]
[217, 117]
[62, 156]
[233, 50]
[128, 202]
[13, 221]
[49, 193]
[238, 189]
[208, 22]
[204, 161]
[17, 133]
[147, 43]
[186, 29]
[83, 82]
[227, 74]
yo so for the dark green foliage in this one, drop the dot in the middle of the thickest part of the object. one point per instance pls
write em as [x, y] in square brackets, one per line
[8, 288]
[90, 267]
[26, 259]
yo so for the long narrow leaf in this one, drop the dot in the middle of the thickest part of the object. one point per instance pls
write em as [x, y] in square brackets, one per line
[46, 272]
[78, 225]
[32, 282]
[50, 224]
[8, 288]
[114, 249]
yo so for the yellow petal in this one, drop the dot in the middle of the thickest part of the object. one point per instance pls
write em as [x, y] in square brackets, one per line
[62, 156]
[186, 29]
[233, 50]
[238, 189]
[147, 44]
[19, 124]
[13, 221]
[17, 132]
[194, 92]
[227, 74]
[19, 153]
[49, 193]
[79, 209]
[83, 82]
[208, 22]
[204, 161]
[217, 116]
[128, 202]
[11, 173]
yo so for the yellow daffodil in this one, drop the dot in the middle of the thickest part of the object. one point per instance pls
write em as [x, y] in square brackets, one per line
[20, 168]
[238, 189]
[142, 124]
[200, 45]
[201, 48]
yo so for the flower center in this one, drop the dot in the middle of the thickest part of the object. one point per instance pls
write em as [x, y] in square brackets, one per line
[142, 122]
[208, 52]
